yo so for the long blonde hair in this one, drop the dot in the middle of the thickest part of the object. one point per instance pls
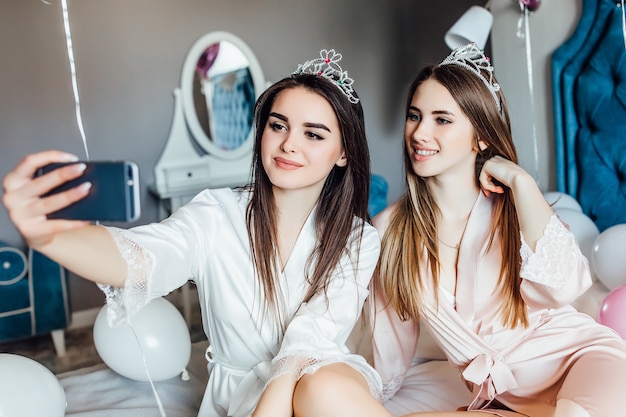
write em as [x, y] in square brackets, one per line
[411, 235]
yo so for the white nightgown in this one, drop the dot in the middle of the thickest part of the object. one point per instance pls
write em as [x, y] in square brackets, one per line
[521, 368]
[206, 241]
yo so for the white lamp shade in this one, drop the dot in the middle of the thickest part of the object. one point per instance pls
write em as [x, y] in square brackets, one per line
[473, 26]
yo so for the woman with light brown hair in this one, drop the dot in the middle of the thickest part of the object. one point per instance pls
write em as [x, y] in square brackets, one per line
[475, 254]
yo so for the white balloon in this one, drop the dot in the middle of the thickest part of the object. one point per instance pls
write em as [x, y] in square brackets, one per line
[581, 226]
[560, 200]
[157, 334]
[608, 257]
[29, 389]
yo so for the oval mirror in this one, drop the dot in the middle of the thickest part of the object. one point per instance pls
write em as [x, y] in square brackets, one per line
[220, 82]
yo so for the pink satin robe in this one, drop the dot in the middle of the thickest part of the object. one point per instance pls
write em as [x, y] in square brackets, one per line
[522, 367]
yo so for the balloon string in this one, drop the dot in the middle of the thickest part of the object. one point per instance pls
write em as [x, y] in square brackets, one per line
[70, 54]
[529, 63]
[529, 70]
[145, 365]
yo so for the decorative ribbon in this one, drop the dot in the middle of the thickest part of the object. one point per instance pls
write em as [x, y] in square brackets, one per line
[145, 365]
[70, 55]
[495, 374]
[529, 70]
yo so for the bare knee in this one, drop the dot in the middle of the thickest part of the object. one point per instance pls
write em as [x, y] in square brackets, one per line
[328, 382]
[328, 390]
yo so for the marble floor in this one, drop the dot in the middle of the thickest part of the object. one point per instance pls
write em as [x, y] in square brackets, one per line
[79, 345]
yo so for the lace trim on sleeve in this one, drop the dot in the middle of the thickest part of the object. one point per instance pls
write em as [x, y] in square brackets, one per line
[297, 365]
[124, 302]
[556, 251]
[304, 363]
[392, 387]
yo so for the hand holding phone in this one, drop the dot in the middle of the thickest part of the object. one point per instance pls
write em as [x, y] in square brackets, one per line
[113, 196]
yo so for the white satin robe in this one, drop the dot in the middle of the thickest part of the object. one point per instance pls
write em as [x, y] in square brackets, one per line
[206, 241]
[519, 367]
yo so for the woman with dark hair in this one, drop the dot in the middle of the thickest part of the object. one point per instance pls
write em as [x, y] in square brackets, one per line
[282, 266]
[473, 253]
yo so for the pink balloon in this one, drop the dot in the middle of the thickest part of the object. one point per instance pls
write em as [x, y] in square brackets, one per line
[613, 311]
[531, 5]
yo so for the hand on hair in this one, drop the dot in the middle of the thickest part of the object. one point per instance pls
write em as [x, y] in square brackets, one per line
[497, 174]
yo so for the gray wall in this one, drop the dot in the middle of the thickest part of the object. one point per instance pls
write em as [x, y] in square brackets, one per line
[129, 55]
[552, 24]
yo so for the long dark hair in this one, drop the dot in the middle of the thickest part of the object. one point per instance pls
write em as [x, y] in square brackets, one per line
[344, 195]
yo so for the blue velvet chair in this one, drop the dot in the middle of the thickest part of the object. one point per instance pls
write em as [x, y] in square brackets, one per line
[34, 297]
[589, 91]
[378, 195]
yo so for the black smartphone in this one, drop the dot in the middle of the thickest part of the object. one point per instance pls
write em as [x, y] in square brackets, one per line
[114, 193]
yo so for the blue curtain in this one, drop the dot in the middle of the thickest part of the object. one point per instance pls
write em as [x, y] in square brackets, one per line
[589, 95]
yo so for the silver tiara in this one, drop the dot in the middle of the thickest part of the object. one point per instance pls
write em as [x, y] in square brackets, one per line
[473, 59]
[327, 66]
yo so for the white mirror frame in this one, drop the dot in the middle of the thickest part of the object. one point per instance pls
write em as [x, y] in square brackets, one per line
[189, 109]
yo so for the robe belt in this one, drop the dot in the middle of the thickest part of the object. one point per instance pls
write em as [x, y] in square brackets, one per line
[492, 376]
[489, 373]
[243, 401]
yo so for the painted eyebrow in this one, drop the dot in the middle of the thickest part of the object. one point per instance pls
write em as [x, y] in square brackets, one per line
[310, 124]
[444, 112]
[318, 126]
[279, 116]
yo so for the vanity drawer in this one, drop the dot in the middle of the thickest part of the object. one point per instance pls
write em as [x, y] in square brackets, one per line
[187, 176]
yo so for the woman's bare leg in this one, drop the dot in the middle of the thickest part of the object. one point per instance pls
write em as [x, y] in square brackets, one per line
[595, 383]
[335, 390]
[457, 414]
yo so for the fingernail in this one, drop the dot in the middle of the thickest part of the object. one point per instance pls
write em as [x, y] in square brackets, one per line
[79, 167]
[70, 157]
[85, 186]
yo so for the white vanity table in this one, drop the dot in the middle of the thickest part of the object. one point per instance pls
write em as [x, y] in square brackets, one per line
[212, 134]
[169, 202]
